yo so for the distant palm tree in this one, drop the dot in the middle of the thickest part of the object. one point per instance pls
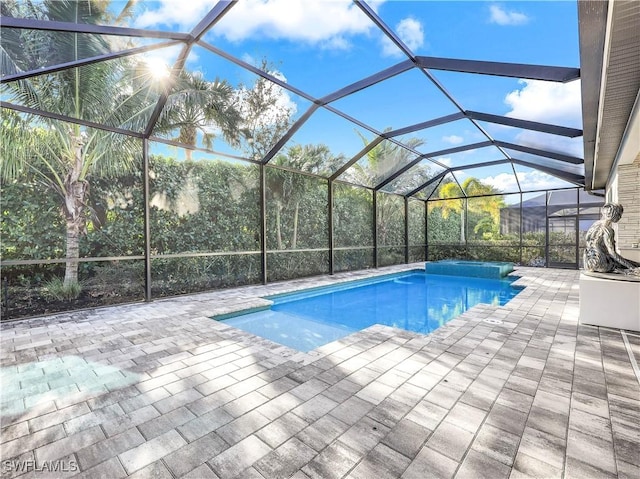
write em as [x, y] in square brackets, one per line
[454, 204]
[382, 161]
[64, 156]
[486, 200]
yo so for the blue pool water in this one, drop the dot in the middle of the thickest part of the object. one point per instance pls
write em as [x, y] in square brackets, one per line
[414, 301]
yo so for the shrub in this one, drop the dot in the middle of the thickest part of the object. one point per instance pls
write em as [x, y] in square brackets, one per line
[56, 289]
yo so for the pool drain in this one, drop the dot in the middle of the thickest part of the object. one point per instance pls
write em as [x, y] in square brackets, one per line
[492, 321]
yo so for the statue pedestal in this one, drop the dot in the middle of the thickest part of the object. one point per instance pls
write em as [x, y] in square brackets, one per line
[610, 302]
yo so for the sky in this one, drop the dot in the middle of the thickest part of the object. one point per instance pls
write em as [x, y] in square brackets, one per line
[321, 46]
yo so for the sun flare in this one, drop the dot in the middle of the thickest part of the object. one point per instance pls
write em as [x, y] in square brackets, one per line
[157, 68]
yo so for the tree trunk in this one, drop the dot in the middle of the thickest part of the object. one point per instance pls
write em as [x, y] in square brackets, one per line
[294, 239]
[73, 253]
[75, 192]
[188, 136]
[462, 232]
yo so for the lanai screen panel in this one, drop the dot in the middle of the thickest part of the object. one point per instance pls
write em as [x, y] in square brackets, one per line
[119, 93]
[390, 218]
[421, 172]
[536, 180]
[323, 144]
[317, 46]
[493, 228]
[488, 180]
[223, 107]
[503, 32]
[417, 230]
[400, 101]
[297, 224]
[353, 227]
[445, 136]
[378, 163]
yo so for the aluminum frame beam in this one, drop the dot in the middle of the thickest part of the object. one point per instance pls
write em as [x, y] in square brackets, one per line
[525, 124]
[563, 175]
[479, 165]
[368, 11]
[210, 19]
[425, 124]
[287, 136]
[511, 70]
[546, 153]
[256, 70]
[175, 70]
[371, 80]
[438, 177]
[70, 119]
[86, 61]
[69, 27]
[372, 144]
[458, 149]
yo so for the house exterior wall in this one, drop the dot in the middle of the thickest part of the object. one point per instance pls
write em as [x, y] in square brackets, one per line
[628, 195]
[624, 187]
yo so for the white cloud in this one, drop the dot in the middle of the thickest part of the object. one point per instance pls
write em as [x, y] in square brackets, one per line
[503, 17]
[502, 182]
[315, 22]
[410, 32]
[529, 180]
[548, 102]
[453, 139]
[444, 160]
[544, 141]
[184, 15]
[539, 180]
[321, 23]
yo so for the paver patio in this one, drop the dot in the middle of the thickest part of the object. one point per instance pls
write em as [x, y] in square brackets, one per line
[160, 390]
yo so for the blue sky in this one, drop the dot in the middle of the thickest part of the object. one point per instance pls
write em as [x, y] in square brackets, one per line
[321, 46]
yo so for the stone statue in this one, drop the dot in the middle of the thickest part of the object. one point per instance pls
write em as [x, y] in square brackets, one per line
[600, 255]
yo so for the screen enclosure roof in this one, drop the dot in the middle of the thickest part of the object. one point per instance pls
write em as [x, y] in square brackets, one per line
[401, 96]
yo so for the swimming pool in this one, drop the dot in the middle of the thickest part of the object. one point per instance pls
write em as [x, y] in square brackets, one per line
[414, 301]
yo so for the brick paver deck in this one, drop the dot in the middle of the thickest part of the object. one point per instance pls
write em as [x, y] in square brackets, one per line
[160, 390]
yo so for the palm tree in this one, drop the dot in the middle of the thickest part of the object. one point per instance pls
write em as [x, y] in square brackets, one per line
[454, 204]
[381, 161]
[198, 106]
[64, 156]
[287, 189]
[487, 201]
